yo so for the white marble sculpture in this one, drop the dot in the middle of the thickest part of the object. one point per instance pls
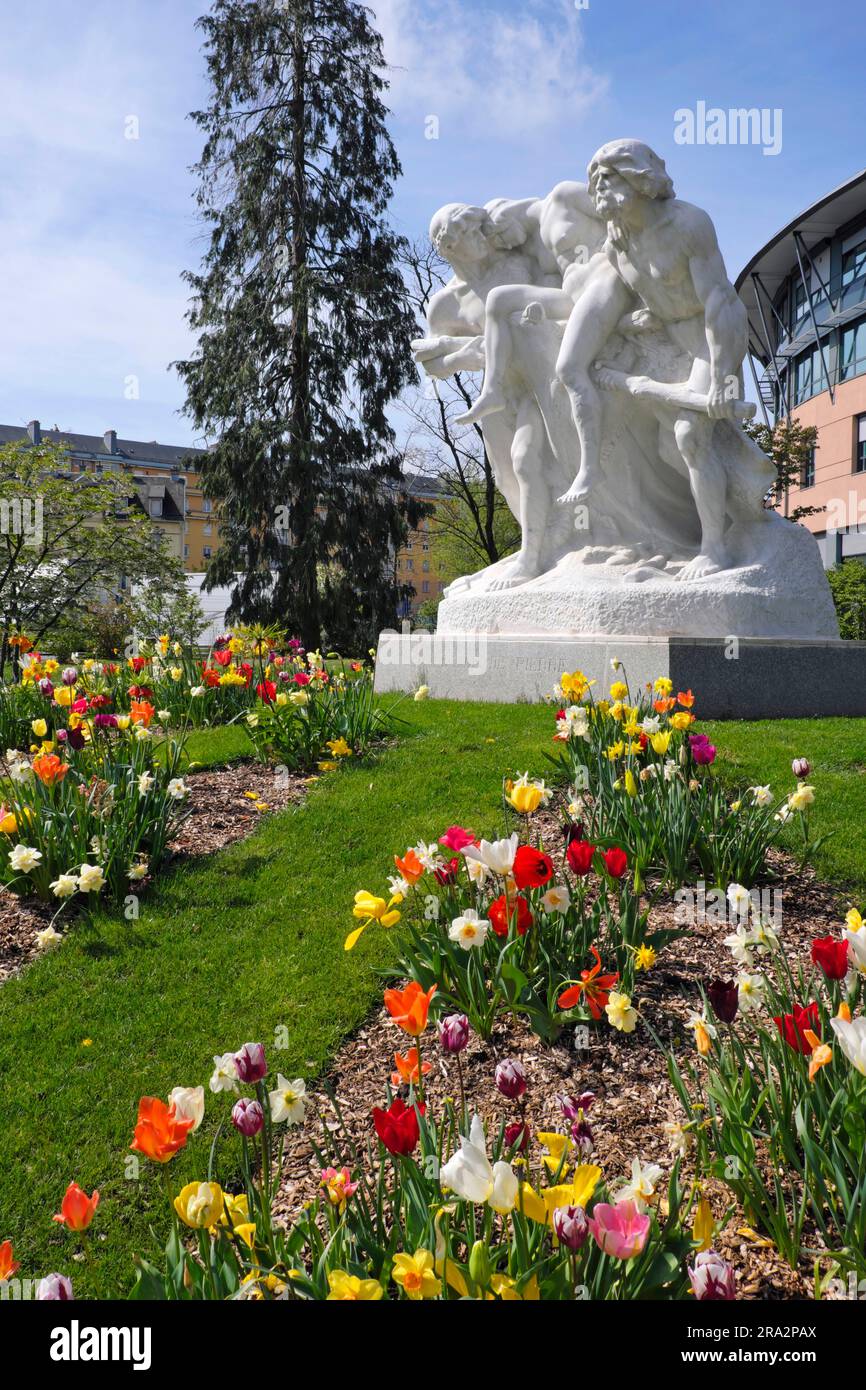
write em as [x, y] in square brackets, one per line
[612, 343]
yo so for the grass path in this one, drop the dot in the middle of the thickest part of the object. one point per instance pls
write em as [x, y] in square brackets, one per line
[249, 942]
[224, 951]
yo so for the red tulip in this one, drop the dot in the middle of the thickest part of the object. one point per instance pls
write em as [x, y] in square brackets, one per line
[832, 956]
[501, 915]
[266, 690]
[794, 1026]
[580, 855]
[397, 1127]
[77, 1209]
[532, 867]
[615, 861]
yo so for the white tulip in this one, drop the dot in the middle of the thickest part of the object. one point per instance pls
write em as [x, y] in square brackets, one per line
[495, 855]
[852, 1040]
[188, 1102]
[470, 1174]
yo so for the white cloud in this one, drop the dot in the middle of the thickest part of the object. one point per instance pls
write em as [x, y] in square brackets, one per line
[491, 72]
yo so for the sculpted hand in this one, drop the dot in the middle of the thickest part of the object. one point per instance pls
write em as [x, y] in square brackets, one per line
[720, 405]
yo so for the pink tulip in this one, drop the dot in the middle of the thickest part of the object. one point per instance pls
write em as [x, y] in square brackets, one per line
[620, 1231]
[456, 838]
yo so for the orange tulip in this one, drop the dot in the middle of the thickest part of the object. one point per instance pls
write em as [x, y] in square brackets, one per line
[49, 768]
[77, 1209]
[158, 1133]
[141, 712]
[410, 866]
[408, 1007]
[8, 1266]
[820, 1053]
[686, 699]
[407, 1068]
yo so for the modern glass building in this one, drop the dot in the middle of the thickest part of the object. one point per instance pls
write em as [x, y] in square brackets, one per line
[805, 292]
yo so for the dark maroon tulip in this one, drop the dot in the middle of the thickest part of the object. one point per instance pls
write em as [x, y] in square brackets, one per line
[725, 999]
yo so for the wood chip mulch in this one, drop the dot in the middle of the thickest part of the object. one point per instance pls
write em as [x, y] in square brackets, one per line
[628, 1075]
[219, 813]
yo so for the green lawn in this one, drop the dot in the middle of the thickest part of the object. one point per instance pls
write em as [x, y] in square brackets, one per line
[250, 942]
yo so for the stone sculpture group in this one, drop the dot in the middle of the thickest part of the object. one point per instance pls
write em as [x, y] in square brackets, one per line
[612, 346]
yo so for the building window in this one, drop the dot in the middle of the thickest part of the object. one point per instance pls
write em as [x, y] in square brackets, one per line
[425, 587]
[156, 506]
[186, 552]
[860, 445]
[853, 361]
[410, 565]
[205, 504]
[807, 472]
[809, 377]
[854, 264]
[207, 528]
[205, 550]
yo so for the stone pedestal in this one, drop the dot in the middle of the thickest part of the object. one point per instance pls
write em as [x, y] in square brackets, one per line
[733, 678]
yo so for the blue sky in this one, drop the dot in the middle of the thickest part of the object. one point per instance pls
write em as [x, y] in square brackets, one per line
[95, 228]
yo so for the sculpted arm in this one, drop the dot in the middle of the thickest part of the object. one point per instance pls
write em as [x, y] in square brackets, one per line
[724, 314]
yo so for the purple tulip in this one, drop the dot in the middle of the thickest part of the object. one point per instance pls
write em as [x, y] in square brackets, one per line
[518, 1134]
[712, 1278]
[571, 1109]
[801, 767]
[725, 999]
[247, 1116]
[61, 735]
[75, 737]
[510, 1079]
[454, 1033]
[105, 721]
[54, 1288]
[250, 1063]
[703, 751]
[570, 1227]
[46, 688]
[69, 675]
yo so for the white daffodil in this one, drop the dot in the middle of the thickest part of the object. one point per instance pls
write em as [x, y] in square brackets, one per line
[48, 938]
[142, 734]
[470, 1174]
[680, 1140]
[164, 716]
[670, 769]
[750, 992]
[397, 884]
[495, 855]
[852, 1040]
[23, 858]
[740, 899]
[137, 871]
[196, 691]
[288, 1101]
[64, 885]
[145, 782]
[469, 929]
[765, 935]
[428, 856]
[225, 1073]
[762, 796]
[740, 944]
[784, 813]
[188, 1102]
[556, 899]
[90, 878]
[177, 789]
[641, 1187]
[478, 872]
[802, 797]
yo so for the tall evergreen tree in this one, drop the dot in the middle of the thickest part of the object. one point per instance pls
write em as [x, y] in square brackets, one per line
[303, 318]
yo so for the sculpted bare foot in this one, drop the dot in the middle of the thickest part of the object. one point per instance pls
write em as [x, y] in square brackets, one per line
[579, 490]
[520, 573]
[701, 566]
[487, 404]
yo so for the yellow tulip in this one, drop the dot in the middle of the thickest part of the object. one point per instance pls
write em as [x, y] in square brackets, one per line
[631, 782]
[703, 1225]
[660, 742]
[199, 1204]
[39, 727]
[63, 695]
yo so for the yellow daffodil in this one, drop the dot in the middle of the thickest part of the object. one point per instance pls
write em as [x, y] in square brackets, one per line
[620, 1013]
[853, 920]
[575, 686]
[339, 748]
[615, 750]
[416, 1275]
[348, 1288]
[663, 686]
[505, 1288]
[576, 1193]
[175, 672]
[372, 909]
[619, 690]
[703, 1225]
[644, 958]
[559, 1146]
